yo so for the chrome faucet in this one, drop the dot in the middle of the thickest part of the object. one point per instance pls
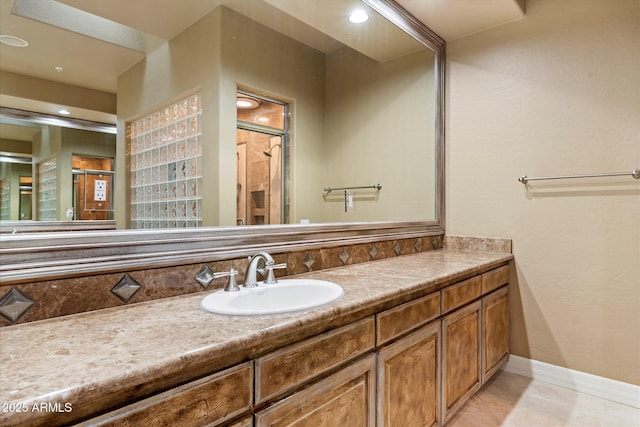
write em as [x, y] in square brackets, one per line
[250, 276]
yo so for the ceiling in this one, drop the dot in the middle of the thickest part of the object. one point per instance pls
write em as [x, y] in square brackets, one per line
[93, 56]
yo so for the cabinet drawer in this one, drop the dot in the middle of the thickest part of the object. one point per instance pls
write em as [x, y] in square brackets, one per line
[345, 398]
[461, 293]
[494, 279]
[208, 401]
[398, 320]
[294, 365]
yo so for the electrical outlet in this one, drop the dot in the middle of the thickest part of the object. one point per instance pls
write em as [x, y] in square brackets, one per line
[100, 191]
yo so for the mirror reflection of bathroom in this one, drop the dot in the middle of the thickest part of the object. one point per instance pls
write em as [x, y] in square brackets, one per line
[26, 188]
[260, 141]
[92, 188]
[15, 187]
[49, 168]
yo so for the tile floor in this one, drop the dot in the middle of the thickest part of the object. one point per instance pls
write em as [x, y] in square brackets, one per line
[516, 401]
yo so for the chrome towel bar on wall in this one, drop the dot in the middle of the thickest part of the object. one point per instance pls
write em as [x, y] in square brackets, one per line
[634, 173]
[377, 187]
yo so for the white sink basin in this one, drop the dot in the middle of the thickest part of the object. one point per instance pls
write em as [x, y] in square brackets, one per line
[283, 297]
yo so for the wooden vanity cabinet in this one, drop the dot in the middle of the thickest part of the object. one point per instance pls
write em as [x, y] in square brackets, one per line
[495, 321]
[409, 368]
[495, 332]
[461, 342]
[475, 337]
[209, 401]
[345, 398]
[413, 365]
[294, 366]
[433, 354]
[409, 380]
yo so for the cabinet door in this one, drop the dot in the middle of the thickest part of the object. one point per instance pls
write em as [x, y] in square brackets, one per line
[346, 398]
[209, 401]
[409, 380]
[461, 357]
[495, 332]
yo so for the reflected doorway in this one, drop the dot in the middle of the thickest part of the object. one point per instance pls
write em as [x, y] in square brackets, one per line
[92, 188]
[261, 140]
[26, 188]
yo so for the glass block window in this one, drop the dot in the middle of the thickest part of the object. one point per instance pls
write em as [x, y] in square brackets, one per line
[47, 182]
[166, 167]
[5, 198]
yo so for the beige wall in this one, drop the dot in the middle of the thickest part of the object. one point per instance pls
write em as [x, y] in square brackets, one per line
[185, 65]
[555, 93]
[31, 88]
[332, 108]
[264, 61]
[12, 173]
[213, 57]
[380, 128]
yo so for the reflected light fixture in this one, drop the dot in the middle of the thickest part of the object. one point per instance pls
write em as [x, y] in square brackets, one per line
[245, 102]
[358, 16]
[13, 41]
[64, 112]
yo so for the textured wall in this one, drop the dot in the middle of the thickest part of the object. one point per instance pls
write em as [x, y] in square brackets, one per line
[555, 93]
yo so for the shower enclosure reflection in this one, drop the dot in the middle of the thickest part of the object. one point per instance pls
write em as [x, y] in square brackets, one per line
[261, 134]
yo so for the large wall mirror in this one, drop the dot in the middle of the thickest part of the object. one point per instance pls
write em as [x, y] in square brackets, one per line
[362, 152]
[359, 143]
[52, 170]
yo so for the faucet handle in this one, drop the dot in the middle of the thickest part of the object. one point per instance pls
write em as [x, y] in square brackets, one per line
[271, 278]
[232, 286]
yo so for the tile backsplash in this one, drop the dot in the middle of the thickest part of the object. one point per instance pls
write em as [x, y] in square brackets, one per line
[28, 302]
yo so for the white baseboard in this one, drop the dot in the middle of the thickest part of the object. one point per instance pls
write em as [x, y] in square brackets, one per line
[616, 391]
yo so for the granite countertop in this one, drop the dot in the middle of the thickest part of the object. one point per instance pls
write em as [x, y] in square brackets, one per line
[85, 363]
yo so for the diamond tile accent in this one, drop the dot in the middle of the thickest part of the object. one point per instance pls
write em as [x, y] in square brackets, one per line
[308, 261]
[344, 256]
[397, 248]
[418, 245]
[434, 243]
[14, 304]
[205, 276]
[373, 252]
[126, 288]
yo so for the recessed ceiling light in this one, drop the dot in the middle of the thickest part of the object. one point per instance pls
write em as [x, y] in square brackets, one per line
[245, 102]
[358, 16]
[58, 69]
[64, 112]
[13, 41]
